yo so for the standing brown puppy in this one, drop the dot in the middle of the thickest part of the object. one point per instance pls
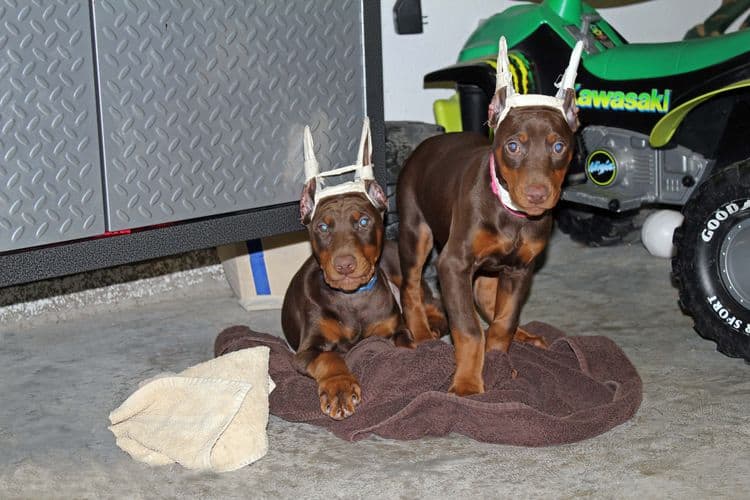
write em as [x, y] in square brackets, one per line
[486, 207]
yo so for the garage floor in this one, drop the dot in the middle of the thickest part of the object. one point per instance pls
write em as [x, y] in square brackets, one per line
[59, 379]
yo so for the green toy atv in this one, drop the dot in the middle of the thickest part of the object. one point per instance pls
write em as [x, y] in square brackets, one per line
[661, 124]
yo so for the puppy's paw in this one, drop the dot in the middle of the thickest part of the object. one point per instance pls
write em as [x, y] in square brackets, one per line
[436, 335]
[528, 338]
[404, 338]
[466, 387]
[339, 396]
[437, 321]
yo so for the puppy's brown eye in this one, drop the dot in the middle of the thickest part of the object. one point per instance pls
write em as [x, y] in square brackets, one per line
[513, 147]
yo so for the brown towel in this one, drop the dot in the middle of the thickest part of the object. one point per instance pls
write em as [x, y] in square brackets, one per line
[580, 387]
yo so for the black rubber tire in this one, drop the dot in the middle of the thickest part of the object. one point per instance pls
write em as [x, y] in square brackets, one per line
[400, 140]
[718, 208]
[599, 228]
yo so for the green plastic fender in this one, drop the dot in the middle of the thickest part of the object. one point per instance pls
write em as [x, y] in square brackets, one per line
[516, 23]
[621, 62]
[657, 60]
[666, 127]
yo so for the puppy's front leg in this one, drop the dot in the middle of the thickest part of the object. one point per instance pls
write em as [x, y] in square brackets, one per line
[414, 247]
[455, 275]
[512, 287]
[338, 389]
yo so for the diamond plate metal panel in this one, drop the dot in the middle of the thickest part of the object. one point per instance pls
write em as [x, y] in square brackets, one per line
[50, 175]
[203, 102]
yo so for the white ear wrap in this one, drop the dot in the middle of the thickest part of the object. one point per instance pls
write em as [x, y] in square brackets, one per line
[571, 72]
[364, 156]
[504, 77]
[362, 171]
[514, 100]
[311, 163]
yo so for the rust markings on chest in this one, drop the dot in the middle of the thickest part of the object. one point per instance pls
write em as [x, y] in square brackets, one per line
[336, 332]
[382, 328]
[486, 244]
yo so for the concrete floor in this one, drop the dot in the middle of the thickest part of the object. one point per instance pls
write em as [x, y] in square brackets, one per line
[62, 375]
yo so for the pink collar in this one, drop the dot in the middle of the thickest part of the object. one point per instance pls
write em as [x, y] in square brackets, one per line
[501, 193]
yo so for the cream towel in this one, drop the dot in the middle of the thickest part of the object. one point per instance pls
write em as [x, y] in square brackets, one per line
[212, 416]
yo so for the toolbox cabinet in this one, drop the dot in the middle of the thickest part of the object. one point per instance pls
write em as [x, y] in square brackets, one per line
[137, 129]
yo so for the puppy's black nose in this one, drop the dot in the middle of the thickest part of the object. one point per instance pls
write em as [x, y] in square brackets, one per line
[344, 264]
[536, 193]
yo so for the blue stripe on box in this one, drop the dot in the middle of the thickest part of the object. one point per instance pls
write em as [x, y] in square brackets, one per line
[258, 267]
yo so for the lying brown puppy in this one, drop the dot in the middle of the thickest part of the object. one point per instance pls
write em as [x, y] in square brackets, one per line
[342, 294]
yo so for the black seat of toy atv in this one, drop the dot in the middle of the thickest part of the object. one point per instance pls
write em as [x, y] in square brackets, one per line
[638, 61]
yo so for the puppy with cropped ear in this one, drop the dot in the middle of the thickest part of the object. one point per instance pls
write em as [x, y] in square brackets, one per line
[342, 293]
[486, 207]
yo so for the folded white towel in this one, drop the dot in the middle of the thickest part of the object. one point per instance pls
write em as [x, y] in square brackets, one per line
[212, 416]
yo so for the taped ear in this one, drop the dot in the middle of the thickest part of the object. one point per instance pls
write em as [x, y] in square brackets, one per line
[496, 107]
[570, 110]
[376, 194]
[307, 201]
[364, 156]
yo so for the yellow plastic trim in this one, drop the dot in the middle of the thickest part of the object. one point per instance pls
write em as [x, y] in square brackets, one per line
[448, 113]
[665, 128]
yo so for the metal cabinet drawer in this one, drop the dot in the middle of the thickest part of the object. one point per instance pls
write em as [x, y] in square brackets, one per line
[203, 103]
[50, 175]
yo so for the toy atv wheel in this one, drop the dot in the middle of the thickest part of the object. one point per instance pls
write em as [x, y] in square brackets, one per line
[712, 264]
[596, 228]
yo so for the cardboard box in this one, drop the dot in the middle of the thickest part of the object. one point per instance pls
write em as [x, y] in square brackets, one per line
[259, 271]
